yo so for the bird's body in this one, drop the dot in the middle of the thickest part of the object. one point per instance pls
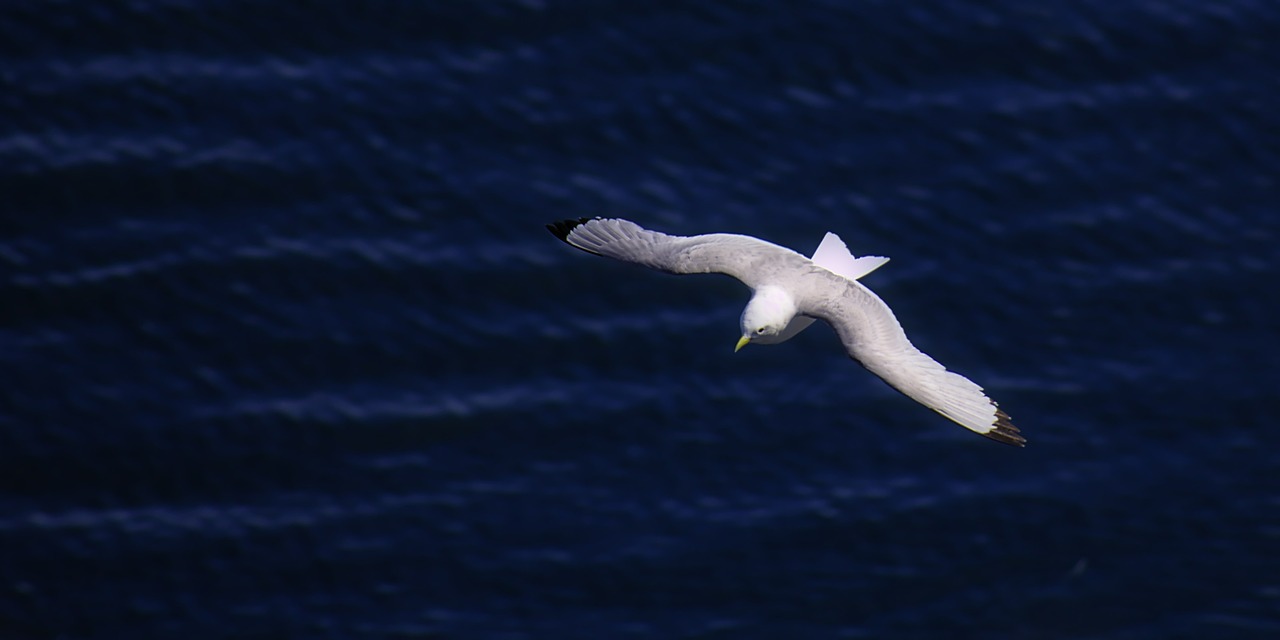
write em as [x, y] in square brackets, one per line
[790, 291]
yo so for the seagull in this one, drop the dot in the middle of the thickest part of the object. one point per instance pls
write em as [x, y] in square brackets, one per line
[790, 291]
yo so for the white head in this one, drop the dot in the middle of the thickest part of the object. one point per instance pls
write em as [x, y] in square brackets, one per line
[767, 314]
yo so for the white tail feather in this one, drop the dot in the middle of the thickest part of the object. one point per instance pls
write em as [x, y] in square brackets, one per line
[834, 256]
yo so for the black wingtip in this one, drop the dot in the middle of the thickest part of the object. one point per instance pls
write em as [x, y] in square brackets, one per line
[1005, 432]
[562, 228]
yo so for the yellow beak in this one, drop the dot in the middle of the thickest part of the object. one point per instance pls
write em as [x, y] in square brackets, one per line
[742, 342]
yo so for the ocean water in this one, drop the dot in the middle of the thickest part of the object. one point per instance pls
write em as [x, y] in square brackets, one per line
[287, 352]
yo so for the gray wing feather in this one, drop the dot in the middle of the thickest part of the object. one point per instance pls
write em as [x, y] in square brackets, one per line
[734, 255]
[872, 336]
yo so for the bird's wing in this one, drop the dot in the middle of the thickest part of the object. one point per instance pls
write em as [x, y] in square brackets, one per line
[872, 336]
[734, 255]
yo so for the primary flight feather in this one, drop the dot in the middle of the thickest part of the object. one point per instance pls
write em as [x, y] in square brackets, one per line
[790, 291]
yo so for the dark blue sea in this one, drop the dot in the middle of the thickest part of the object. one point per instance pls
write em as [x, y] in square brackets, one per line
[286, 351]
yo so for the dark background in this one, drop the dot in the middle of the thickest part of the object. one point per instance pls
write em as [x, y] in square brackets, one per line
[287, 352]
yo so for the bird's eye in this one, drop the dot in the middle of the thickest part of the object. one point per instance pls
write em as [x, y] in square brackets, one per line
[760, 330]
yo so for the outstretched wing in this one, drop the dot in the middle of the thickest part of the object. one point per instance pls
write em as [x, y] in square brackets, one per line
[872, 336]
[730, 254]
[865, 324]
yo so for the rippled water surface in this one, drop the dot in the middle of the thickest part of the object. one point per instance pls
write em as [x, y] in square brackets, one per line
[288, 353]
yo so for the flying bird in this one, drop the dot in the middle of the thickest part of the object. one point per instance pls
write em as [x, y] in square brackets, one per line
[790, 291]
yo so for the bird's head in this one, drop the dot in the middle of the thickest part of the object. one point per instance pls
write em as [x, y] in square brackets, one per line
[768, 313]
